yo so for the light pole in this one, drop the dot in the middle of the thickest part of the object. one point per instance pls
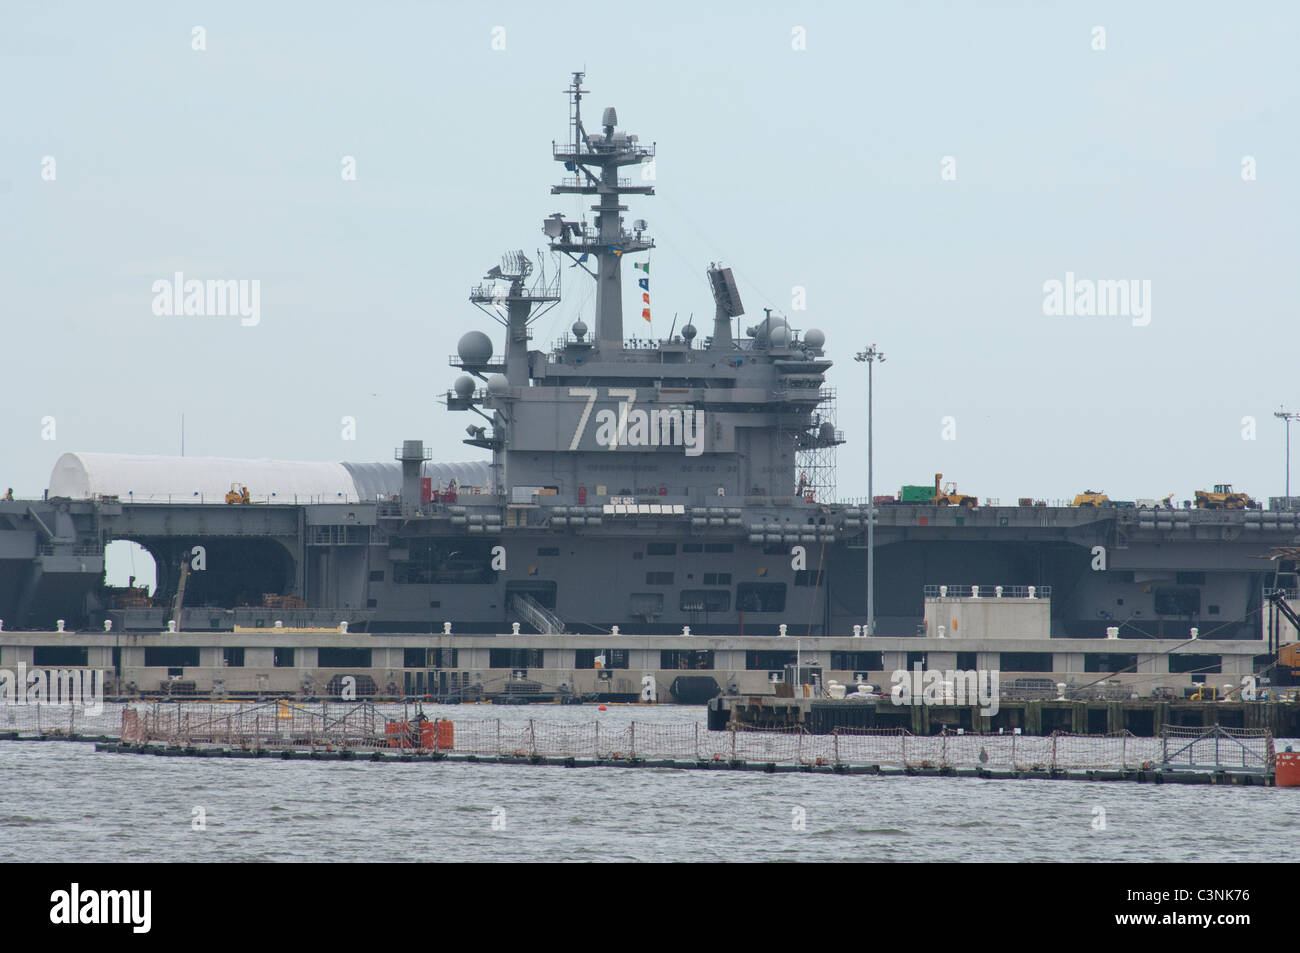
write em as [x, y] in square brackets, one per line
[1283, 414]
[870, 356]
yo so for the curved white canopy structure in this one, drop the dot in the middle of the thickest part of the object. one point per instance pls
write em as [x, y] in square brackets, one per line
[145, 478]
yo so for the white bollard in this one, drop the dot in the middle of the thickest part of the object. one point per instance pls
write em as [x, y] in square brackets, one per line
[943, 592]
[60, 625]
[686, 630]
[279, 624]
[108, 625]
[446, 628]
[1112, 632]
[1032, 590]
[782, 628]
[343, 627]
[171, 626]
[1196, 633]
[514, 628]
[613, 630]
[1060, 691]
[974, 592]
[857, 631]
[997, 591]
[941, 631]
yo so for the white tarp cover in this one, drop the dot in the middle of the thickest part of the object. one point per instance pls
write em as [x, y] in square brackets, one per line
[158, 479]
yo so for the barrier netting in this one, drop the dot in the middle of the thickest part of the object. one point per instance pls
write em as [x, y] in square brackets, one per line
[284, 725]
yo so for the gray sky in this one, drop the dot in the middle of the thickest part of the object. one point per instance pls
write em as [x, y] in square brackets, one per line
[819, 168]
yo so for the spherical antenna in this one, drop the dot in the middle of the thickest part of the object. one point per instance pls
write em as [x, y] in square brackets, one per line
[579, 329]
[780, 337]
[497, 385]
[815, 338]
[474, 347]
[688, 332]
[464, 386]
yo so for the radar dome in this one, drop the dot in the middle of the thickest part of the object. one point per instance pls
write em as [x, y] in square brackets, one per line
[464, 386]
[815, 338]
[766, 327]
[779, 337]
[688, 332]
[475, 347]
[579, 329]
[498, 385]
[827, 431]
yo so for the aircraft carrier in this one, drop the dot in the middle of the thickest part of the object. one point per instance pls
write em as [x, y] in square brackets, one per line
[617, 485]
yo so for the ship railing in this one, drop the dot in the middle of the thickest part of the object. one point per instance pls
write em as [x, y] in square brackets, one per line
[634, 146]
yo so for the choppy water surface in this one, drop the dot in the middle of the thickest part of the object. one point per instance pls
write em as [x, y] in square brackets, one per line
[91, 807]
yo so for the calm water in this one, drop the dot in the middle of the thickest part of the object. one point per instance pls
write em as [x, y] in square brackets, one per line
[102, 807]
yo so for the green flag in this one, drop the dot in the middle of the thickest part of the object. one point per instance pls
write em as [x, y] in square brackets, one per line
[643, 266]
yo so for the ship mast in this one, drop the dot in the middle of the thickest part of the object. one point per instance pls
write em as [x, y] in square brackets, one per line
[594, 161]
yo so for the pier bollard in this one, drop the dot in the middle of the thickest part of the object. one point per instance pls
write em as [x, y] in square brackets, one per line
[514, 628]
[613, 630]
[446, 628]
[1196, 633]
[686, 630]
[1112, 632]
[1033, 590]
[857, 631]
[279, 624]
[941, 631]
[108, 625]
[343, 628]
[997, 592]
[783, 628]
[59, 625]
[943, 592]
[1060, 691]
[171, 626]
[974, 592]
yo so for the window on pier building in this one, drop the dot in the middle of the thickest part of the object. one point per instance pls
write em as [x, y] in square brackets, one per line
[232, 657]
[808, 577]
[342, 658]
[661, 549]
[967, 661]
[686, 658]
[424, 657]
[60, 656]
[762, 660]
[514, 658]
[857, 661]
[658, 579]
[1109, 662]
[282, 658]
[918, 658]
[1181, 663]
[760, 597]
[171, 656]
[1025, 661]
[614, 658]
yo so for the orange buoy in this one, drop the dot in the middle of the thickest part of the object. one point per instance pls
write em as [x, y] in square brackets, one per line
[601, 708]
[1287, 773]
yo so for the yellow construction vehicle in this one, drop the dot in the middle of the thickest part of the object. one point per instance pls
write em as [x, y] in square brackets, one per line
[238, 494]
[948, 495]
[1222, 498]
[1091, 498]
